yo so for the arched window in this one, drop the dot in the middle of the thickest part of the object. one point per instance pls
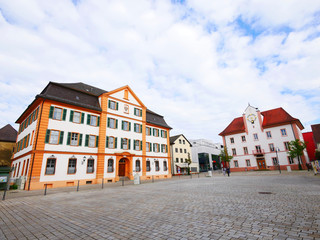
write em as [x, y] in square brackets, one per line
[72, 166]
[148, 166]
[138, 168]
[51, 166]
[165, 167]
[90, 165]
[110, 165]
[157, 165]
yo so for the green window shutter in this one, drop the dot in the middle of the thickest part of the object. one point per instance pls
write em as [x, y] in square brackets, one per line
[121, 144]
[71, 116]
[107, 141]
[51, 112]
[61, 137]
[108, 122]
[82, 117]
[154, 147]
[80, 140]
[109, 104]
[166, 148]
[69, 138]
[98, 123]
[129, 126]
[88, 119]
[165, 134]
[117, 105]
[141, 128]
[47, 136]
[122, 124]
[140, 113]
[64, 115]
[150, 144]
[134, 129]
[129, 144]
[134, 144]
[86, 142]
[97, 141]
[154, 132]
[140, 145]
[116, 123]
[115, 142]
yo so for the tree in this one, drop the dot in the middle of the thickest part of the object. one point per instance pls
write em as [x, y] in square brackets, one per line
[224, 156]
[296, 149]
[188, 161]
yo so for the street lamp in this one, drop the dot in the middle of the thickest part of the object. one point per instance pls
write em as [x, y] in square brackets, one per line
[277, 149]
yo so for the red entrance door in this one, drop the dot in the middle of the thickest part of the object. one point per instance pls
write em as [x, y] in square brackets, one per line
[122, 168]
[261, 163]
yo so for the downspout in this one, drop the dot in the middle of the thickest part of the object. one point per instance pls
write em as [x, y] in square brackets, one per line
[35, 146]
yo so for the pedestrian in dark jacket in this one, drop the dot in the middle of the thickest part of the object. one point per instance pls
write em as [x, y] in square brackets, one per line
[228, 171]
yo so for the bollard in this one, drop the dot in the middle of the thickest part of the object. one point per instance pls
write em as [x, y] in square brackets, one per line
[4, 194]
[78, 186]
[153, 179]
[122, 181]
[45, 189]
[102, 182]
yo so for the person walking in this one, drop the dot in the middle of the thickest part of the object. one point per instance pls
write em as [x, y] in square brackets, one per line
[224, 171]
[228, 171]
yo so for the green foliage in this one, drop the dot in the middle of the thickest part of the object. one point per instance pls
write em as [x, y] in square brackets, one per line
[188, 160]
[317, 154]
[296, 148]
[14, 186]
[224, 156]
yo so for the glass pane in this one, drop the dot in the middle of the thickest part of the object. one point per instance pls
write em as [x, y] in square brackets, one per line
[76, 117]
[54, 137]
[57, 113]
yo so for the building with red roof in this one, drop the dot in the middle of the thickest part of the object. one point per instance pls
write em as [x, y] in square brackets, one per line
[259, 140]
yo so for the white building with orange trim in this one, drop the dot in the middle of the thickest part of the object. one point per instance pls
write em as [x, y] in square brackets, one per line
[74, 131]
[258, 140]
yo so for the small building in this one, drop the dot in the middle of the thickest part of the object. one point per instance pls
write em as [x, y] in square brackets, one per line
[8, 137]
[180, 152]
[260, 140]
[76, 132]
[206, 154]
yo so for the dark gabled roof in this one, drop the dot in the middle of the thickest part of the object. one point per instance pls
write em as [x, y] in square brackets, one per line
[278, 116]
[156, 119]
[8, 134]
[316, 132]
[69, 94]
[236, 126]
[174, 138]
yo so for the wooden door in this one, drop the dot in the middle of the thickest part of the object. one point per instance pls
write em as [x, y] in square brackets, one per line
[261, 163]
[122, 169]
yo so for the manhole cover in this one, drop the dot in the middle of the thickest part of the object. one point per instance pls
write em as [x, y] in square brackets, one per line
[265, 192]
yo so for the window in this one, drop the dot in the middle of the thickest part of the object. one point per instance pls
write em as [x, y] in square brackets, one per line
[72, 166]
[234, 152]
[113, 105]
[179, 141]
[156, 132]
[245, 150]
[177, 160]
[110, 165]
[93, 120]
[243, 138]
[137, 112]
[271, 146]
[55, 113]
[156, 147]
[180, 150]
[183, 141]
[138, 169]
[185, 150]
[148, 166]
[283, 132]
[268, 134]
[232, 140]
[137, 128]
[126, 108]
[248, 162]
[137, 145]
[157, 165]
[275, 161]
[111, 142]
[164, 148]
[76, 117]
[185, 160]
[126, 126]
[53, 137]
[290, 160]
[92, 141]
[125, 143]
[255, 136]
[112, 123]
[165, 167]
[286, 145]
[176, 150]
[164, 134]
[148, 147]
[51, 166]
[236, 163]
[148, 131]
[181, 160]
[90, 166]
[258, 149]
[74, 139]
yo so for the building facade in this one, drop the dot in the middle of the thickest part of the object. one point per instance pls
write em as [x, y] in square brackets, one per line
[206, 154]
[74, 131]
[180, 152]
[8, 137]
[259, 140]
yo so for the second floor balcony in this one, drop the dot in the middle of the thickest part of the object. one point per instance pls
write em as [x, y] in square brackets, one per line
[258, 152]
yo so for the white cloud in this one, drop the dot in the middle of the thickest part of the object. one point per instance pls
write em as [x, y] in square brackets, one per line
[199, 80]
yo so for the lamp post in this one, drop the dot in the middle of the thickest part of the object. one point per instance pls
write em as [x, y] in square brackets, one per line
[277, 149]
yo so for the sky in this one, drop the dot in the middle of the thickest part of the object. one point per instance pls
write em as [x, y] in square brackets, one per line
[198, 63]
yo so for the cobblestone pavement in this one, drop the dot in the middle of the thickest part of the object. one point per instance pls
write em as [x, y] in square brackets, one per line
[236, 207]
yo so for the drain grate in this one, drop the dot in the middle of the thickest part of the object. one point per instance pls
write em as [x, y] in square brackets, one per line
[265, 192]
